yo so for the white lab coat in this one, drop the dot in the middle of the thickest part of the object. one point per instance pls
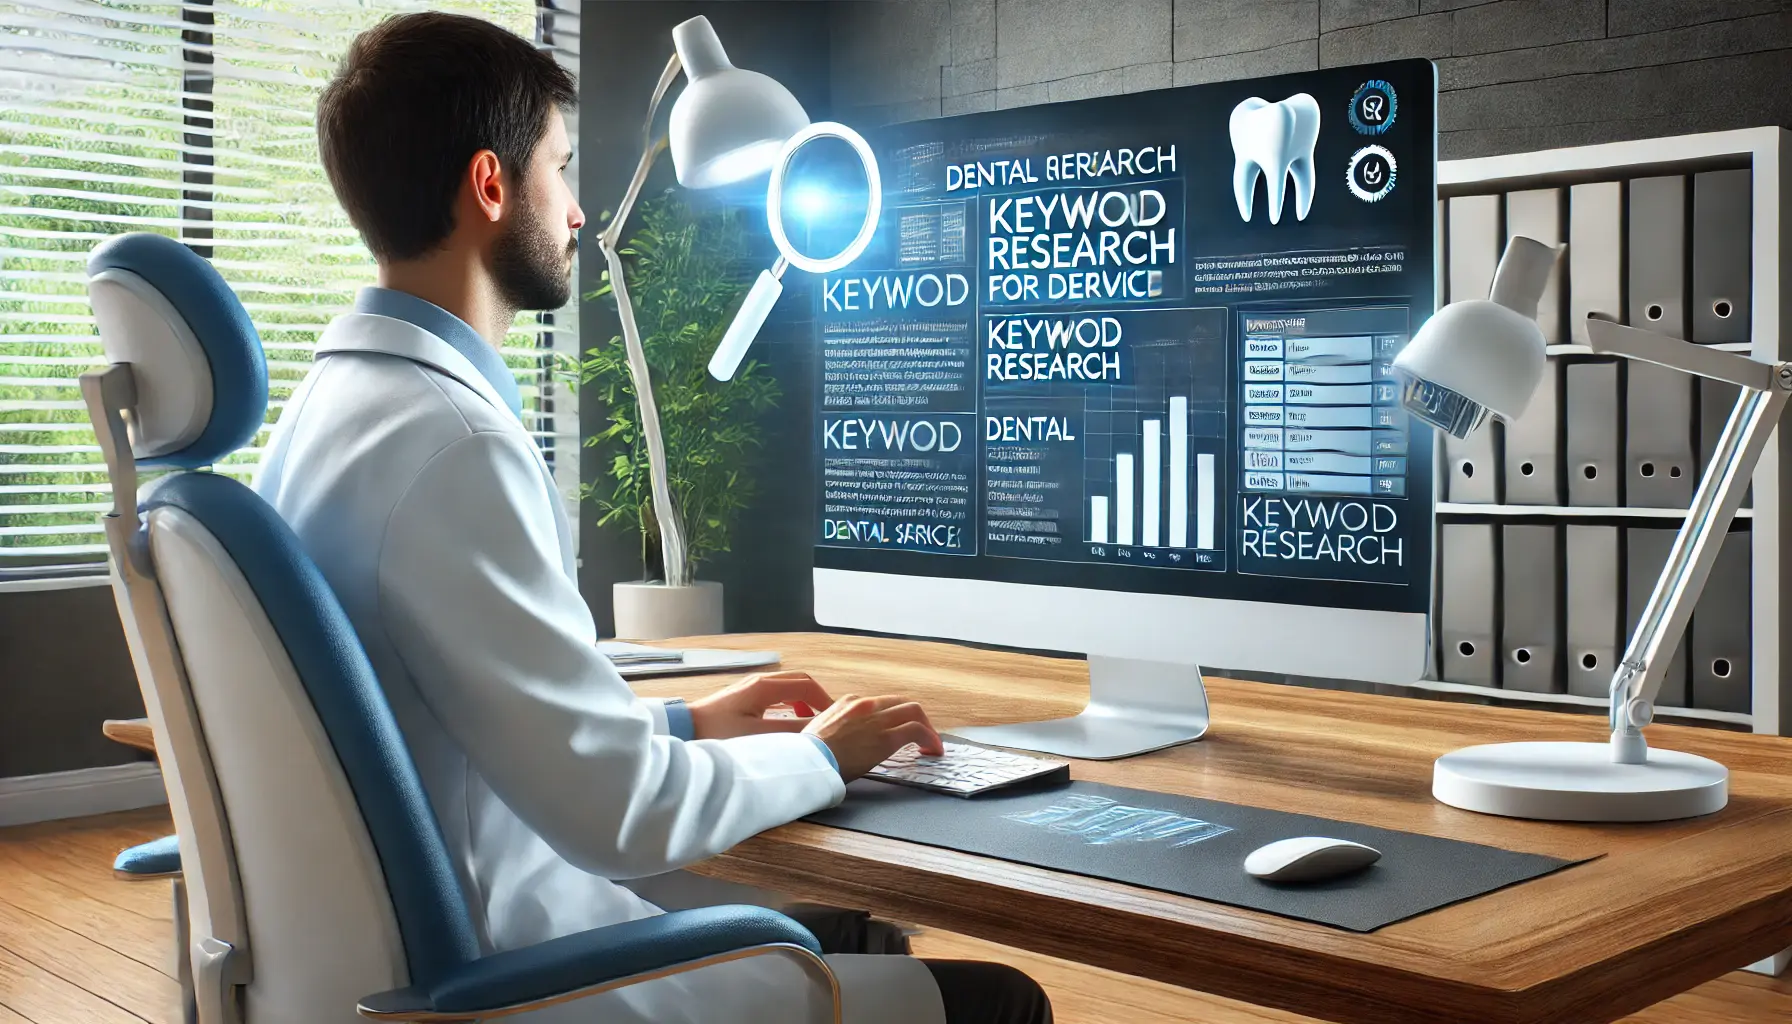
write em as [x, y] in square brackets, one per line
[430, 511]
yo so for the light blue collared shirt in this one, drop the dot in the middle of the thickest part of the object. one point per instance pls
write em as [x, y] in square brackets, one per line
[450, 328]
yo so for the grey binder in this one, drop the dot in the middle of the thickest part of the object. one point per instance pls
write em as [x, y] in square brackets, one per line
[1475, 245]
[1533, 456]
[1657, 255]
[1722, 633]
[1717, 400]
[1474, 249]
[1590, 414]
[1471, 462]
[1530, 601]
[1659, 469]
[1593, 613]
[1595, 254]
[1468, 570]
[1722, 239]
[1646, 555]
[1537, 213]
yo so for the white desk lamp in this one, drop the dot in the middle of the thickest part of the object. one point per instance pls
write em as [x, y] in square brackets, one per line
[1478, 357]
[727, 126]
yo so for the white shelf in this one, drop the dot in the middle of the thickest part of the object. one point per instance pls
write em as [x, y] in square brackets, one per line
[1587, 350]
[1458, 508]
[1521, 696]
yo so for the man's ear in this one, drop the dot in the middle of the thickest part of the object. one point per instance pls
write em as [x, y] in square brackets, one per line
[485, 180]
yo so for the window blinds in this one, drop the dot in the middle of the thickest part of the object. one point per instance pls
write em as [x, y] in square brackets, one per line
[193, 119]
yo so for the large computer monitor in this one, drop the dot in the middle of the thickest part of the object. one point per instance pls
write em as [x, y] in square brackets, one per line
[1113, 378]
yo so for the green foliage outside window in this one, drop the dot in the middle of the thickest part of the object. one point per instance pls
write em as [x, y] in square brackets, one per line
[91, 148]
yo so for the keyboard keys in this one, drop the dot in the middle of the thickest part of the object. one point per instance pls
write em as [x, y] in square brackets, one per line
[965, 769]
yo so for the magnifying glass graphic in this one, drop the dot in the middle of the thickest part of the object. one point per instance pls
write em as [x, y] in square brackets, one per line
[766, 290]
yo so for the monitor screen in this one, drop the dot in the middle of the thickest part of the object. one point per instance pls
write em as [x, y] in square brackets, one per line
[1142, 343]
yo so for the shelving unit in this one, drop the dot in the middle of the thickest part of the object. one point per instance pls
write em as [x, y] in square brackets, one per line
[1587, 350]
[1463, 508]
[1494, 692]
[1766, 152]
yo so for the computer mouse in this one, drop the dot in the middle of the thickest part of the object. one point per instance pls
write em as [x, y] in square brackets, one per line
[1309, 859]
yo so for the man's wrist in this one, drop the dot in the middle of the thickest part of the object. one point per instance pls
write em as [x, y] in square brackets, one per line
[826, 751]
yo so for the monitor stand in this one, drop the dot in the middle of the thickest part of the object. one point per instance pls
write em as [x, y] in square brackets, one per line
[1135, 707]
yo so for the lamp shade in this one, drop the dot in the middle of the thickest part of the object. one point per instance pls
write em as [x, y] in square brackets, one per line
[1480, 356]
[729, 124]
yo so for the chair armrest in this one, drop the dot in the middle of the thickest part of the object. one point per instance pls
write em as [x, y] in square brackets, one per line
[590, 961]
[132, 732]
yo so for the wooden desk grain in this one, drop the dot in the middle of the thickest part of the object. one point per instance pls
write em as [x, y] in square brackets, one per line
[1664, 908]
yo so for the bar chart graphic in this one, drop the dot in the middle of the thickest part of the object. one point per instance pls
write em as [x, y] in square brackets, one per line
[1151, 458]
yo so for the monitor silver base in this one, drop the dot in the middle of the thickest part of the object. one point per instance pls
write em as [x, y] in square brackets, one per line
[1134, 707]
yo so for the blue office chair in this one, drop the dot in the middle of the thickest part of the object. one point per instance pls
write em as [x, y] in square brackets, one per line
[317, 880]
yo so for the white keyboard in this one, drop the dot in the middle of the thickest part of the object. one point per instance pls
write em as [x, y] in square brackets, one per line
[966, 769]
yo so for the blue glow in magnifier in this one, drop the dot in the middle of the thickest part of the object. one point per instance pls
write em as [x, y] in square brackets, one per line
[766, 290]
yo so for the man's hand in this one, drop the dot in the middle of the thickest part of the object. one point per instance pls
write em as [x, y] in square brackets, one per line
[739, 710]
[863, 731]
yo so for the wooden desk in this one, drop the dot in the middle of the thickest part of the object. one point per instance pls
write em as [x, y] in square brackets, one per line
[1668, 906]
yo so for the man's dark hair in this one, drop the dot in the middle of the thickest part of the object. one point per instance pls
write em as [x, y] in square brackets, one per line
[415, 97]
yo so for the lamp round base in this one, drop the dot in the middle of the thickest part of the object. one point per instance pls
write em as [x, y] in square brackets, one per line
[1578, 782]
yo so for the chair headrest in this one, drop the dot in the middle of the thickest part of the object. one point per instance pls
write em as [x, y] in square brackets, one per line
[201, 377]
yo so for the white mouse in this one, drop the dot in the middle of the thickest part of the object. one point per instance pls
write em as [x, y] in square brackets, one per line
[1309, 859]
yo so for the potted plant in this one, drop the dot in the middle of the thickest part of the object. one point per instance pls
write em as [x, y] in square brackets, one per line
[687, 268]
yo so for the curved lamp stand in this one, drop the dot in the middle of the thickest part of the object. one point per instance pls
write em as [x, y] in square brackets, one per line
[665, 512]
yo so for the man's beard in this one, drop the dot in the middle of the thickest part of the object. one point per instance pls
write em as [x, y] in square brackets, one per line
[532, 271]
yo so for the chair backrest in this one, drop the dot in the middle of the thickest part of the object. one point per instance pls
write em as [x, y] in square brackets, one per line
[316, 870]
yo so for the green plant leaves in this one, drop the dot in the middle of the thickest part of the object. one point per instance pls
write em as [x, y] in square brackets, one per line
[686, 276]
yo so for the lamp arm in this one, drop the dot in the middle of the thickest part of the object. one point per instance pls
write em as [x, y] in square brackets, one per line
[1607, 338]
[673, 66]
[651, 150]
[1639, 674]
[665, 510]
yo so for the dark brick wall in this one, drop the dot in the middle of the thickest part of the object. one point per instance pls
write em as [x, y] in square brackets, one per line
[1513, 75]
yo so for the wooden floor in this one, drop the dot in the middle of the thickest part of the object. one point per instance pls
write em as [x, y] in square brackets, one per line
[78, 946]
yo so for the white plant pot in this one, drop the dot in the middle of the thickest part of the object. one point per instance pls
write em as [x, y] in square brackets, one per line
[650, 610]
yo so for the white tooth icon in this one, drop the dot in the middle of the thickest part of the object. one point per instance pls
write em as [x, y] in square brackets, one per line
[1274, 140]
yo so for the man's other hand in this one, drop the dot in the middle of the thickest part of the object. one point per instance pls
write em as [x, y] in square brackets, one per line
[863, 731]
[739, 710]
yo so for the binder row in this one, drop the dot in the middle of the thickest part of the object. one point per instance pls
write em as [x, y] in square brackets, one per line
[1669, 253]
[1549, 608]
[1598, 433]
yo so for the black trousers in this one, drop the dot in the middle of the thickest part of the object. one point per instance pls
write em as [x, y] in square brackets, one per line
[974, 992]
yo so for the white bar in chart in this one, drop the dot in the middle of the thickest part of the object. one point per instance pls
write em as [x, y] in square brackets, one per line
[1204, 501]
[1098, 519]
[1152, 466]
[1178, 471]
[1123, 499]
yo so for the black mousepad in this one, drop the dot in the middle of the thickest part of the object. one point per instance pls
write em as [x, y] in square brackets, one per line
[1188, 846]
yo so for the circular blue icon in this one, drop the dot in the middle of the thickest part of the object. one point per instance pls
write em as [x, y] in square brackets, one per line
[1373, 107]
[1371, 174]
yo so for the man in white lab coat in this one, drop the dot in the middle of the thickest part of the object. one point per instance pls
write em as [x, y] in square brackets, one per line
[402, 466]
